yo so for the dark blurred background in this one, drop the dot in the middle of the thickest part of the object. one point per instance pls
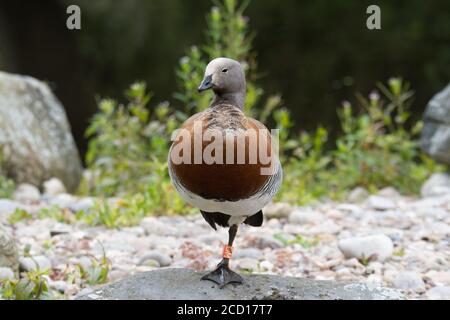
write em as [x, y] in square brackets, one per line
[315, 53]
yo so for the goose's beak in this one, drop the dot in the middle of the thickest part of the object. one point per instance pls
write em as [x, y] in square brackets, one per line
[206, 83]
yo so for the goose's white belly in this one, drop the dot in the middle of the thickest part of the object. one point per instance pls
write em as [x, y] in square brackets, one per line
[239, 208]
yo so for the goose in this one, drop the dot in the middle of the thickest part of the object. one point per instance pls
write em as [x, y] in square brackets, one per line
[218, 161]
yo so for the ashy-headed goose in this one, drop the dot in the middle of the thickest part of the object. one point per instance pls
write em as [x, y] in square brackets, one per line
[225, 163]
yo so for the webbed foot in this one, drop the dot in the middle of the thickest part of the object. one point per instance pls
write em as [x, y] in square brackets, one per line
[223, 275]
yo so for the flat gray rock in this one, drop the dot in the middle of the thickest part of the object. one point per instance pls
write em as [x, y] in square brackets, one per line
[178, 283]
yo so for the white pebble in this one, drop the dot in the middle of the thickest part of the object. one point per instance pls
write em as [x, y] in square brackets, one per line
[26, 192]
[33, 263]
[53, 187]
[409, 280]
[376, 247]
[6, 274]
[380, 203]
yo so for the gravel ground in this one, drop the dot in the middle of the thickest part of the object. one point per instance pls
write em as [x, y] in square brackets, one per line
[384, 239]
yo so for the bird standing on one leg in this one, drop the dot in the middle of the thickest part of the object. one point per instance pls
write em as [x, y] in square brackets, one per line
[223, 162]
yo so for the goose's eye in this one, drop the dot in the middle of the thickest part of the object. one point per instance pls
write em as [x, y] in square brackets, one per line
[224, 70]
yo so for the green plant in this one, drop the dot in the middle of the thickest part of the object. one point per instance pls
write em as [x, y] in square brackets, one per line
[19, 215]
[112, 215]
[378, 148]
[127, 153]
[399, 252]
[98, 272]
[56, 213]
[32, 286]
[125, 142]
[306, 169]
[129, 211]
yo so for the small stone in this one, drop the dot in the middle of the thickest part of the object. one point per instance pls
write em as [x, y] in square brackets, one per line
[409, 280]
[277, 210]
[353, 208]
[153, 226]
[26, 192]
[374, 280]
[32, 264]
[357, 195]
[135, 231]
[266, 265]
[162, 259]
[85, 262]
[325, 228]
[273, 223]
[94, 296]
[59, 285]
[85, 291]
[268, 241]
[389, 192]
[389, 275]
[53, 187]
[439, 293]
[84, 204]
[63, 200]
[247, 253]
[374, 267]
[344, 274]
[149, 263]
[380, 203]
[437, 184]
[115, 275]
[335, 214]
[248, 264]
[353, 263]
[305, 216]
[376, 247]
[439, 277]
[33, 231]
[6, 274]
[210, 238]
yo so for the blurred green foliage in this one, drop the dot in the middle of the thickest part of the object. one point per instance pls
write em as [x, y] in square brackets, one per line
[378, 148]
[129, 143]
[127, 154]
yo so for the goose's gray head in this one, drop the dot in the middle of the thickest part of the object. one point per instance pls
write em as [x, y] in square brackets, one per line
[224, 76]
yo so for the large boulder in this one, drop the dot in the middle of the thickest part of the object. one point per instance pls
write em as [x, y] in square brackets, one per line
[185, 284]
[435, 139]
[34, 133]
